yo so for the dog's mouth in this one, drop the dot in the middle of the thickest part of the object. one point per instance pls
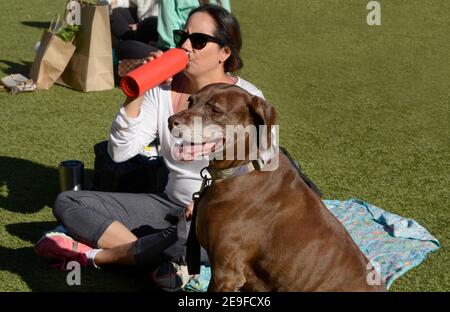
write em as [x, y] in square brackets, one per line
[187, 151]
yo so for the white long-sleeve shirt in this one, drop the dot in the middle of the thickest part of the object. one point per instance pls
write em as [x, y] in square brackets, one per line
[129, 136]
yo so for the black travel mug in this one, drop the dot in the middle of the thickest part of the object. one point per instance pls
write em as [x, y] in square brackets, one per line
[71, 175]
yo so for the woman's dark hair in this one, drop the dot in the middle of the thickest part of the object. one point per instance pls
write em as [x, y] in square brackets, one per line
[227, 30]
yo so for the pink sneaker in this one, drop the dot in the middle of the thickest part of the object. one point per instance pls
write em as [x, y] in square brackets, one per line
[60, 249]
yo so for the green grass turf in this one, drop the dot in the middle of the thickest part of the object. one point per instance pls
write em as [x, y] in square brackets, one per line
[364, 109]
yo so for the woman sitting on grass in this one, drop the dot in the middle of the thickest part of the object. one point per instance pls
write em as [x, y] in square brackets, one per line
[150, 229]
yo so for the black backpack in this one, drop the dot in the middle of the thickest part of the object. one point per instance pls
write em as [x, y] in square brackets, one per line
[140, 174]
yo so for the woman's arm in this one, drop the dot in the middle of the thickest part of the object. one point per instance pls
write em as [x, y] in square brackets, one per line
[134, 126]
[133, 106]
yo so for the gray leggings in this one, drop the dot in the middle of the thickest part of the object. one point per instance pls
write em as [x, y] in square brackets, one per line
[158, 223]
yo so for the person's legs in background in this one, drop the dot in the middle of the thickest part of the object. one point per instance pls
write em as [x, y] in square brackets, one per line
[133, 43]
[147, 31]
[120, 21]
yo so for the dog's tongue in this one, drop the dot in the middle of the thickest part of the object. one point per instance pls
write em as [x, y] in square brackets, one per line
[193, 151]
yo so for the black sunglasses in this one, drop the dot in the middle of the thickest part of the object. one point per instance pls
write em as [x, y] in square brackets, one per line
[198, 40]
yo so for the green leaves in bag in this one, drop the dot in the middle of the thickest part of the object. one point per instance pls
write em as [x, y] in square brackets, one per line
[68, 32]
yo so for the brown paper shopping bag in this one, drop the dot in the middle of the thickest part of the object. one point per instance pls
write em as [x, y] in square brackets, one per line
[51, 59]
[91, 66]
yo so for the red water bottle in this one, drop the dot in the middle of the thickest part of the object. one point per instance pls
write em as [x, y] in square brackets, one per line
[152, 74]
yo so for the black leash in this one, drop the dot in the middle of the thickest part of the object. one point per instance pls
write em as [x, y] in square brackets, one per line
[193, 252]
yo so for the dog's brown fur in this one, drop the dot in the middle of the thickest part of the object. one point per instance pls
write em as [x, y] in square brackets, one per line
[267, 230]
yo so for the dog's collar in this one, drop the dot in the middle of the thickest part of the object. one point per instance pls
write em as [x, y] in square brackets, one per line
[221, 174]
[216, 174]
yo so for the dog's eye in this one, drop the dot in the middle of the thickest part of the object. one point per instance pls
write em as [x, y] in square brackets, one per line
[215, 109]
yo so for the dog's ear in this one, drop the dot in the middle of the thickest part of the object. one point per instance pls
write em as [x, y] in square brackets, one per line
[264, 114]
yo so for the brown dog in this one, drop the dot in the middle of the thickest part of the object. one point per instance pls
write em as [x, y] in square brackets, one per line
[266, 230]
